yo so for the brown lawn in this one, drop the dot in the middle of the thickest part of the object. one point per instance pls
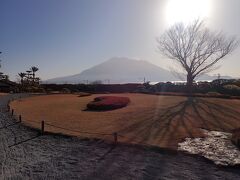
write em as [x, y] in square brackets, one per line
[148, 119]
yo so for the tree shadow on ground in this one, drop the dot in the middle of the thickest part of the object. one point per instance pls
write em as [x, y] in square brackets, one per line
[169, 126]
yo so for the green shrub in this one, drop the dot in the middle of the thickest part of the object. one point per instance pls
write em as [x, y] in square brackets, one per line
[232, 87]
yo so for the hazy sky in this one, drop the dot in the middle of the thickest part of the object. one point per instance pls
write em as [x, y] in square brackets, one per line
[64, 37]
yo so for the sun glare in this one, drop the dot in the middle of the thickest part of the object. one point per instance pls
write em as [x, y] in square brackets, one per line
[186, 10]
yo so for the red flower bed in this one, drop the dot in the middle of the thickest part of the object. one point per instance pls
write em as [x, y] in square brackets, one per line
[108, 103]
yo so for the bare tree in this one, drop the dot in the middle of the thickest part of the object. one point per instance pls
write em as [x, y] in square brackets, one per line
[195, 48]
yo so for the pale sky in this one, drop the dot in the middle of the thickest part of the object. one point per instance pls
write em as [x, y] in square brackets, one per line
[64, 37]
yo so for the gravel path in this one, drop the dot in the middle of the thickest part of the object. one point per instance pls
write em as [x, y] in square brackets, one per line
[60, 157]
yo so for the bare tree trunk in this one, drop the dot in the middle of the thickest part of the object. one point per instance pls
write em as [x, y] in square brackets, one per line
[189, 83]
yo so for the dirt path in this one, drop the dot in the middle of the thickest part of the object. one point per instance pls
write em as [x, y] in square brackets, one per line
[58, 157]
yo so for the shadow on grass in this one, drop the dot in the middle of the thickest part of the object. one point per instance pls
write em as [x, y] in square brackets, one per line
[102, 110]
[168, 126]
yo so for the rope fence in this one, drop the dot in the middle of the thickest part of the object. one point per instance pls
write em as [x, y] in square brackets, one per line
[81, 132]
[43, 124]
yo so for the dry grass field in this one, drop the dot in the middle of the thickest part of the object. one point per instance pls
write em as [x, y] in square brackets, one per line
[148, 119]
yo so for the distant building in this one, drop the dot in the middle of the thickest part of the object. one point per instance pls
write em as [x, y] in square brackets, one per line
[8, 86]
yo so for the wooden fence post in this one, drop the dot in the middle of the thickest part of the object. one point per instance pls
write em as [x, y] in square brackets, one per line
[42, 128]
[115, 136]
[20, 118]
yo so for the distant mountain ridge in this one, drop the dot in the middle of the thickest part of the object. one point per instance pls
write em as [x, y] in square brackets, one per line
[121, 70]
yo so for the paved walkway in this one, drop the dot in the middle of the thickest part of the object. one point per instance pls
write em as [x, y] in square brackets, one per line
[60, 157]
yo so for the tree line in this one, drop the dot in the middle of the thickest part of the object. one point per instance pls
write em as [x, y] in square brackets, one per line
[28, 81]
[29, 77]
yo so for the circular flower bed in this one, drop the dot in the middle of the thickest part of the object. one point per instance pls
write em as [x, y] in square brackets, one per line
[108, 103]
[236, 137]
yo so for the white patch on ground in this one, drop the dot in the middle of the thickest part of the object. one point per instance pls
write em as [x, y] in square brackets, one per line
[217, 146]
